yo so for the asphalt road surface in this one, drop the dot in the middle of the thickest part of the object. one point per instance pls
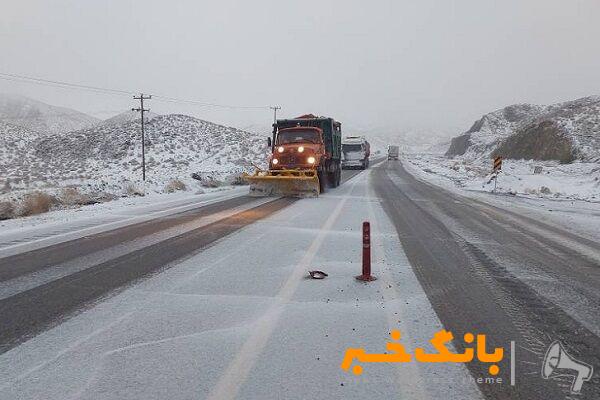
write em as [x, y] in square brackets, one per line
[479, 269]
[60, 280]
[495, 272]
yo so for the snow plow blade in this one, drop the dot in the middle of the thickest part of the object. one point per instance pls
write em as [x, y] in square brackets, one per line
[288, 183]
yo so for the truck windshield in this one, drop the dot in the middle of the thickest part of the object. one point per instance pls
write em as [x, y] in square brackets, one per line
[298, 136]
[351, 147]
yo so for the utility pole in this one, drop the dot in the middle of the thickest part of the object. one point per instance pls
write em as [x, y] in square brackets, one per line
[142, 110]
[275, 108]
[495, 181]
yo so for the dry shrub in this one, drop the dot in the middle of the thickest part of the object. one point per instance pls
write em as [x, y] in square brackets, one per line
[70, 196]
[37, 203]
[7, 210]
[175, 185]
[206, 181]
[210, 182]
[102, 197]
[238, 180]
[132, 190]
[530, 191]
[6, 188]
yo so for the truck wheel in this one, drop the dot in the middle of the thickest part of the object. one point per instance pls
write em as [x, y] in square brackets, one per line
[334, 178]
[331, 179]
[338, 177]
[322, 180]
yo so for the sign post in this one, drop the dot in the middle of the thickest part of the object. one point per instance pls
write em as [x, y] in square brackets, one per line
[496, 168]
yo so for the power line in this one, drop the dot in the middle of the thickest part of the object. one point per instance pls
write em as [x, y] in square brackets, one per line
[202, 104]
[40, 117]
[168, 99]
[22, 78]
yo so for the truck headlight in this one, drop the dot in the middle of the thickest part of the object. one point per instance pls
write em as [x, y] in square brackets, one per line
[300, 149]
[311, 160]
[275, 161]
[280, 149]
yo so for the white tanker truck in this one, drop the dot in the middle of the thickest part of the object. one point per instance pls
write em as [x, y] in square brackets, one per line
[355, 152]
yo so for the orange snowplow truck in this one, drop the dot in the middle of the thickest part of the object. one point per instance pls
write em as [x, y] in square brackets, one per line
[305, 160]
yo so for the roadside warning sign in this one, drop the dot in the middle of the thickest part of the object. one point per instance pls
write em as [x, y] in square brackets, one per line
[497, 164]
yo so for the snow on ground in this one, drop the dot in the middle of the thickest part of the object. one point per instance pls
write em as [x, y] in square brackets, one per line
[566, 195]
[564, 131]
[241, 318]
[125, 205]
[576, 181]
[60, 225]
[107, 158]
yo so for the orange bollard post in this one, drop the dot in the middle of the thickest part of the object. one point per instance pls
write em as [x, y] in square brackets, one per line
[366, 254]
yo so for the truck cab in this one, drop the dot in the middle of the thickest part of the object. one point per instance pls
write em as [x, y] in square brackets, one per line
[305, 158]
[299, 147]
[393, 152]
[355, 152]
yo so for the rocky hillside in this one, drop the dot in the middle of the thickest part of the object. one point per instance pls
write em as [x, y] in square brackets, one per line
[16, 143]
[41, 117]
[565, 132]
[108, 156]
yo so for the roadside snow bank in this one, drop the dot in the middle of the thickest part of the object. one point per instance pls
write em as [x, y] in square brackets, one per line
[122, 206]
[576, 181]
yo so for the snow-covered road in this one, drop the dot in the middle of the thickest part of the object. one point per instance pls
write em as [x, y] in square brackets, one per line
[214, 302]
[241, 320]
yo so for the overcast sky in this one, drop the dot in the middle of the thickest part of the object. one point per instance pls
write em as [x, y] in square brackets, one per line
[398, 64]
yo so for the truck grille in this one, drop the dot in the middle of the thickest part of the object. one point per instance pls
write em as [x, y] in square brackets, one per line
[288, 159]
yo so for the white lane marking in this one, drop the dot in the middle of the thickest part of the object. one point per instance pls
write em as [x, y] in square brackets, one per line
[512, 363]
[230, 382]
[63, 237]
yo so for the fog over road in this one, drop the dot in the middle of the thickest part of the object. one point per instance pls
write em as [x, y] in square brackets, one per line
[214, 302]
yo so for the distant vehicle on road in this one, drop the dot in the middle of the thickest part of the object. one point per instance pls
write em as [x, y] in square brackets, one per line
[355, 152]
[306, 158]
[393, 152]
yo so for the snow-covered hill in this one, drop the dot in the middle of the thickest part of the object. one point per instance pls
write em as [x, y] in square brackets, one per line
[16, 144]
[128, 116]
[41, 117]
[549, 151]
[107, 157]
[565, 132]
